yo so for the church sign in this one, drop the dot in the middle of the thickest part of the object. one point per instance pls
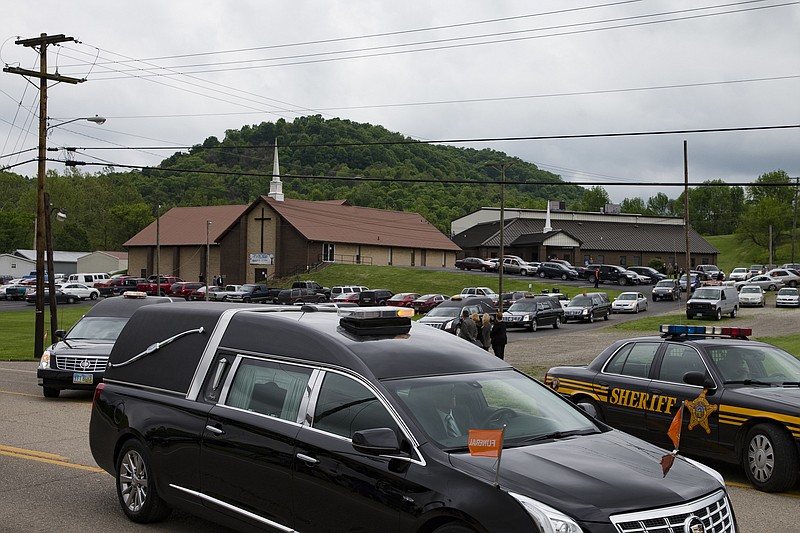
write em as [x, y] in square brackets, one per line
[262, 259]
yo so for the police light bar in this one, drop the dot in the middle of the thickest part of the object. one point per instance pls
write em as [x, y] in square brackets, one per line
[376, 320]
[134, 294]
[670, 329]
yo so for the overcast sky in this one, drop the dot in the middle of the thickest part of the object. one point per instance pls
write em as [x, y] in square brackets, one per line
[174, 73]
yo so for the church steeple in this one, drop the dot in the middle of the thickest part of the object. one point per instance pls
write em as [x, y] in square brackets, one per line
[276, 186]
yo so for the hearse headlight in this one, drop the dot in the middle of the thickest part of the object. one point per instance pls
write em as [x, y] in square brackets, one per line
[44, 362]
[548, 519]
[448, 325]
[585, 311]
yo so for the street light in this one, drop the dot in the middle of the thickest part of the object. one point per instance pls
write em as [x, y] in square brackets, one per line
[43, 219]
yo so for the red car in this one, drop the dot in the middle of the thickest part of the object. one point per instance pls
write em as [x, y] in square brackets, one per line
[182, 289]
[426, 302]
[403, 299]
[347, 297]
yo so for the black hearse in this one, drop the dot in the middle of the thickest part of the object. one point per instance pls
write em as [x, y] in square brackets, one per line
[358, 420]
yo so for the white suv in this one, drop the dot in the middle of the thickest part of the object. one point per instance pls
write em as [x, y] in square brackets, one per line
[788, 278]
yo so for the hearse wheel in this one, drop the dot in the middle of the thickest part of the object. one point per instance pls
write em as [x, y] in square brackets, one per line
[136, 489]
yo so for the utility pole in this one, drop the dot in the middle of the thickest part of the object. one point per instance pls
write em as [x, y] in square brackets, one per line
[794, 215]
[41, 43]
[686, 218]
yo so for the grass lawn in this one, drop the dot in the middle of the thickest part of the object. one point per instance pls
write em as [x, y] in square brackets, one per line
[18, 328]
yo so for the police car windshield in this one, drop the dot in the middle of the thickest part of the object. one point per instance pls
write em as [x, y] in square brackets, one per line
[448, 407]
[755, 365]
[101, 328]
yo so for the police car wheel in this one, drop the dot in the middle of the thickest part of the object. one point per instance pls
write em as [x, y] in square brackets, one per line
[136, 488]
[770, 458]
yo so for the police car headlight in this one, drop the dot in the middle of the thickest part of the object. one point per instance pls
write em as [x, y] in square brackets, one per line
[707, 469]
[44, 362]
[548, 519]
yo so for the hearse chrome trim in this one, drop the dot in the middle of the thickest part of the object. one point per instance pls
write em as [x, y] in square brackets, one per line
[235, 509]
[139, 386]
[714, 512]
[156, 346]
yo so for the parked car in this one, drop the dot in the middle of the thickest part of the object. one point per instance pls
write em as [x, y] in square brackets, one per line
[229, 289]
[550, 269]
[739, 274]
[183, 289]
[741, 395]
[710, 272]
[14, 292]
[755, 270]
[345, 411]
[787, 297]
[788, 277]
[653, 275]
[447, 315]
[345, 289]
[762, 280]
[667, 289]
[611, 274]
[81, 291]
[426, 302]
[299, 296]
[533, 311]
[215, 294]
[162, 287]
[314, 286]
[517, 266]
[481, 291]
[473, 263]
[509, 298]
[61, 297]
[752, 296]
[629, 302]
[347, 297]
[374, 297]
[713, 302]
[588, 307]
[251, 293]
[78, 359]
[403, 299]
[694, 281]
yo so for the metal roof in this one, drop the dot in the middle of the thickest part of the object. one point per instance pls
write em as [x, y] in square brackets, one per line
[187, 225]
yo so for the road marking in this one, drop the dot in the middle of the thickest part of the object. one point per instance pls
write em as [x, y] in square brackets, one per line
[19, 393]
[4, 369]
[69, 400]
[44, 457]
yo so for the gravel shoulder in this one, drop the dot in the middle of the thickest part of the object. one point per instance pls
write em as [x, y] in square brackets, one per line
[579, 347]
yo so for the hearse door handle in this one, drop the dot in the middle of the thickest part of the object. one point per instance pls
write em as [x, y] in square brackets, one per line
[307, 459]
[215, 430]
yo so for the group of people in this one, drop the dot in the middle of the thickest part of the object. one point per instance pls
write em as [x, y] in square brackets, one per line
[479, 330]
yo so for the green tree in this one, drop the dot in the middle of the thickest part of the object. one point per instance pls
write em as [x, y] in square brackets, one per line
[765, 217]
[660, 204]
[634, 205]
[593, 199]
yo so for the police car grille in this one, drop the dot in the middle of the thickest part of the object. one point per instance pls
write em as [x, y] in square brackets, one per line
[82, 364]
[714, 512]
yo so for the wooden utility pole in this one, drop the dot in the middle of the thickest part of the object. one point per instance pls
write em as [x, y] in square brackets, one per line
[686, 218]
[41, 43]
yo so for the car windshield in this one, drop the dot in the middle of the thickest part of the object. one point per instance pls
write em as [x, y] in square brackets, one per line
[426, 297]
[98, 328]
[580, 301]
[763, 364]
[754, 290]
[249, 288]
[523, 305]
[739, 271]
[787, 292]
[705, 293]
[448, 312]
[448, 407]
[626, 296]
[665, 283]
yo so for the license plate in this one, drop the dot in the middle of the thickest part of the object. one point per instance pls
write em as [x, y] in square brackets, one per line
[82, 379]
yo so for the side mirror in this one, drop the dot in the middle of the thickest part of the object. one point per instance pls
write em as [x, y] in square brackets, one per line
[60, 334]
[699, 379]
[589, 408]
[379, 441]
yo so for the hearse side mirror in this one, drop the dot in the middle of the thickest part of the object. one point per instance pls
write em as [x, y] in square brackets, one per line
[589, 408]
[699, 379]
[379, 441]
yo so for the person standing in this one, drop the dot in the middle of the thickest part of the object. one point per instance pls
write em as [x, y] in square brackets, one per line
[486, 331]
[220, 283]
[597, 278]
[498, 336]
[467, 329]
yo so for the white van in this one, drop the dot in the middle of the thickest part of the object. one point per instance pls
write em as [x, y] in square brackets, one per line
[713, 301]
[88, 278]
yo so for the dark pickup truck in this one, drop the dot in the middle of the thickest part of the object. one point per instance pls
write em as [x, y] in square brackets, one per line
[253, 293]
[314, 286]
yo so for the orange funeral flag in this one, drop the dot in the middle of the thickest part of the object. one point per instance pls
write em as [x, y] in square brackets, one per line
[674, 430]
[485, 442]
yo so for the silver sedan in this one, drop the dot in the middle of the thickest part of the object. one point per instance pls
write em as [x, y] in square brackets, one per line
[765, 282]
[629, 302]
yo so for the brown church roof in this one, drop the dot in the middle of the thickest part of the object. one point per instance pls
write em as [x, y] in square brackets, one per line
[336, 222]
[187, 225]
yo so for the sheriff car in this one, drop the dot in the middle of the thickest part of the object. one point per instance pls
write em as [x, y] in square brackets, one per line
[742, 396]
[302, 419]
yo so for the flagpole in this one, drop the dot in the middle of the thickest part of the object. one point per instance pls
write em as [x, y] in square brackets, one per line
[499, 456]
